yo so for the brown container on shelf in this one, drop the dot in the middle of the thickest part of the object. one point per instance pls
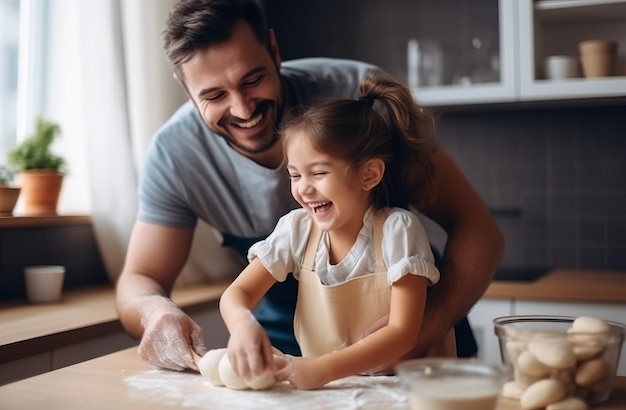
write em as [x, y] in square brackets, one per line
[598, 57]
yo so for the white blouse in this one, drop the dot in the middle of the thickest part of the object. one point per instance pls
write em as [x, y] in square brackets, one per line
[405, 249]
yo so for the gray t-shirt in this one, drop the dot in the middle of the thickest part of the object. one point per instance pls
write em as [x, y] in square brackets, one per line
[190, 172]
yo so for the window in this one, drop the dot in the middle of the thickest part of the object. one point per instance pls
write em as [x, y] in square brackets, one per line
[39, 63]
[9, 34]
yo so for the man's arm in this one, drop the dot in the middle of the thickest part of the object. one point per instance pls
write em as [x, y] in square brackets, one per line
[155, 257]
[473, 251]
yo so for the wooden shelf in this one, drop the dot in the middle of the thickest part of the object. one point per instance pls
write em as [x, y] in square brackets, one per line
[25, 221]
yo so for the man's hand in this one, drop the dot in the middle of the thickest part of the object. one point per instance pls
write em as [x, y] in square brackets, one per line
[169, 336]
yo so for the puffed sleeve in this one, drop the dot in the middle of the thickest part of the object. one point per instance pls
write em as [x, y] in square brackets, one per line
[281, 252]
[406, 248]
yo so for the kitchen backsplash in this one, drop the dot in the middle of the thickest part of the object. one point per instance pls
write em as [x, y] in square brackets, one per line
[563, 169]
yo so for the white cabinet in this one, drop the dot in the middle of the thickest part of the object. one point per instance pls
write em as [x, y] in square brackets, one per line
[481, 319]
[528, 31]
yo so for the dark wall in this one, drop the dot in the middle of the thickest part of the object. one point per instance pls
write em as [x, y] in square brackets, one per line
[563, 169]
[73, 246]
[561, 172]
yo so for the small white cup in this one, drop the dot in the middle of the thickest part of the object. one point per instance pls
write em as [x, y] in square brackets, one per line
[561, 67]
[44, 283]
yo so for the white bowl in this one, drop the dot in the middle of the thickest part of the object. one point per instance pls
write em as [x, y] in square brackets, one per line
[449, 384]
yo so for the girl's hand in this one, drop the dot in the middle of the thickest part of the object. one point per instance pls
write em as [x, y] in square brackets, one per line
[249, 348]
[302, 373]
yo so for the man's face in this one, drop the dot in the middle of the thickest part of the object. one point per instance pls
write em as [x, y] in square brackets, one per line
[236, 87]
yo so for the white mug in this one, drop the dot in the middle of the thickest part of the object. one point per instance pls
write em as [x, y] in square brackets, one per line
[44, 283]
[561, 67]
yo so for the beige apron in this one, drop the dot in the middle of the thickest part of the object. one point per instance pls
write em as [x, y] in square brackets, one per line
[329, 318]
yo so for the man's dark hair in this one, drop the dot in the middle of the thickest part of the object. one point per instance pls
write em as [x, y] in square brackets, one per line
[193, 25]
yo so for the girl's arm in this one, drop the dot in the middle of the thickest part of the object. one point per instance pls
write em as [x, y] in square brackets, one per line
[249, 348]
[408, 300]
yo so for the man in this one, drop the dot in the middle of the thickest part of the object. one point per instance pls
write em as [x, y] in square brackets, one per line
[218, 159]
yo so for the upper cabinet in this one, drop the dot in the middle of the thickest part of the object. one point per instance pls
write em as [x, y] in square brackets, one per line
[506, 45]
[477, 66]
[556, 27]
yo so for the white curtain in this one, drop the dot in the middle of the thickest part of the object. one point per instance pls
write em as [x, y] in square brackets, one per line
[128, 92]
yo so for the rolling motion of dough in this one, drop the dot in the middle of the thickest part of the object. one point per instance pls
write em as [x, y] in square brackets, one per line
[215, 367]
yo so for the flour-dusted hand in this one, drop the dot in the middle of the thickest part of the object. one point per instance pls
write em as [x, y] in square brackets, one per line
[249, 348]
[168, 336]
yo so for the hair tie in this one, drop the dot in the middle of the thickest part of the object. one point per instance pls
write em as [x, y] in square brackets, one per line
[367, 100]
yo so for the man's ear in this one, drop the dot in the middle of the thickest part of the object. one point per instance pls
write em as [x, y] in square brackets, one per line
[373, 171]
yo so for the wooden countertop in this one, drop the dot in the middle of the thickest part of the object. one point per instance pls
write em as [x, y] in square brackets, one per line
[572, 285]
[123, 381]
[83, 314]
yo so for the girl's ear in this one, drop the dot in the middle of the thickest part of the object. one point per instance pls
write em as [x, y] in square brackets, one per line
[373, 171]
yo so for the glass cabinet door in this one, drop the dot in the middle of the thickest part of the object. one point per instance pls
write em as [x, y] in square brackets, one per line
[462, 52]
[450, 51]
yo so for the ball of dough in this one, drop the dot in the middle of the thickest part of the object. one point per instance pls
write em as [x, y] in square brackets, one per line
[229, 377]
[542, 393]
[590, 324]
[209, 366]
[266, 379]
[261, 382]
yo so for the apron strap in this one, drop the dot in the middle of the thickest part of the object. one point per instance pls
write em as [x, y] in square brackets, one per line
[379, 221]
[311, 247]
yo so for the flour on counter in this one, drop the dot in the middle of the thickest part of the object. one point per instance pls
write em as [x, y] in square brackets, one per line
[191, 391]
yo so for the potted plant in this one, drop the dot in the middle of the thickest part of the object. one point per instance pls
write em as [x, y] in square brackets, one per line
[40, 170]
[8, 192]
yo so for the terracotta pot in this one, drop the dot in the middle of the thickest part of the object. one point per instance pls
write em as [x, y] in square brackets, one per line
[8, 198]
[40, 191]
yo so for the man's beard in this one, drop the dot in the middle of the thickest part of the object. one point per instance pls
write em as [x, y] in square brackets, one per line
[258, 149]
[266, 143]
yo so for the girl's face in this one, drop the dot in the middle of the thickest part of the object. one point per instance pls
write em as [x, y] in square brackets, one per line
[326, 186]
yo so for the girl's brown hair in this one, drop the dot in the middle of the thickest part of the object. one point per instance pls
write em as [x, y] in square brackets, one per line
[386, 123]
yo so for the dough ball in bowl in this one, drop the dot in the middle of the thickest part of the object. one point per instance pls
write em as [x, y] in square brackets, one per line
[560, 358]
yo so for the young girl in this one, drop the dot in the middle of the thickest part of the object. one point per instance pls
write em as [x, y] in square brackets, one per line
[356, 167]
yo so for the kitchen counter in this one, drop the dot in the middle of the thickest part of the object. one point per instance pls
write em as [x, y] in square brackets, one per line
[87, 313]
[123, 381]
[573, 285]
[83, 314]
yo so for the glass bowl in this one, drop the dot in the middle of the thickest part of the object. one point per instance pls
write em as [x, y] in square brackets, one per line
[571, 357]
[447, 384]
